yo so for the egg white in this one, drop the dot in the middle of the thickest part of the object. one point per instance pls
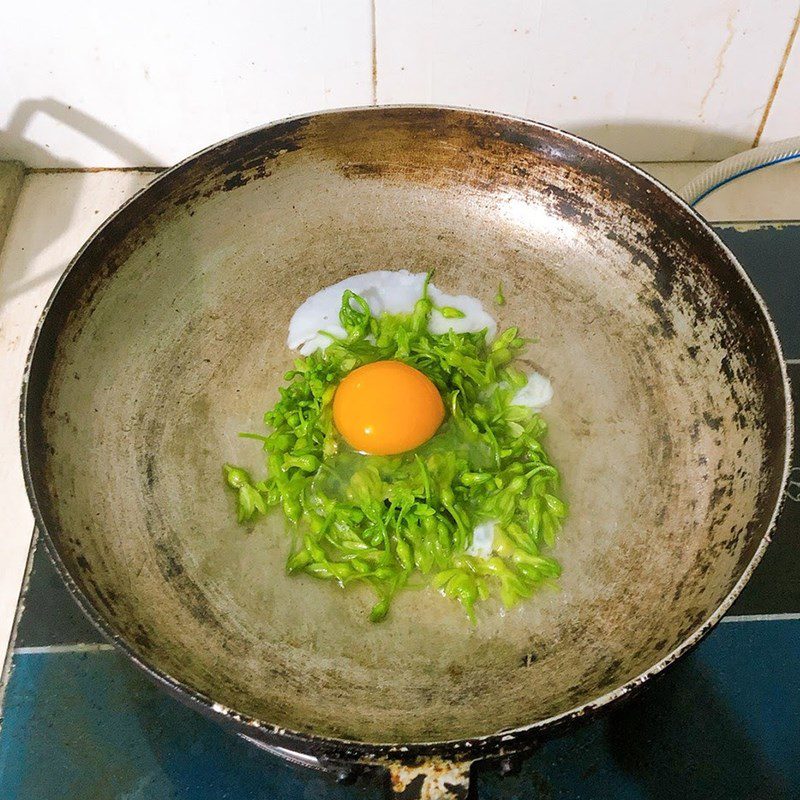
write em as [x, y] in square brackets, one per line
[535, 394]
[393, 292]
[482, 539]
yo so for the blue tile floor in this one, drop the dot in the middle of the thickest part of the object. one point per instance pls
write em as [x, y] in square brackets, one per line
[79, 722]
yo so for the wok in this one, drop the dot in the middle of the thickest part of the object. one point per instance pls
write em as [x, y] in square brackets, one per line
[166, 337]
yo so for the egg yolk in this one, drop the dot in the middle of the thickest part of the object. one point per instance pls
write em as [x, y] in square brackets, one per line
[387, 407]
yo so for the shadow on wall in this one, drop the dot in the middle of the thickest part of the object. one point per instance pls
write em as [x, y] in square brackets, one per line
[643, 140]
[14, 145]
[59, 214]
[636, 140]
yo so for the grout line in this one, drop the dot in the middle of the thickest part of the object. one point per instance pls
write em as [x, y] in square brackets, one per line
[59, 170]
[374, 53]
[12, 176]
[761, 618]
[80, 647]
[770, 223]
[5, 675]
[793, 360]
[777, 82]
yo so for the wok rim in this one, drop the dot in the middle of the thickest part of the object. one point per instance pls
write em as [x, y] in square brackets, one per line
[469, 749]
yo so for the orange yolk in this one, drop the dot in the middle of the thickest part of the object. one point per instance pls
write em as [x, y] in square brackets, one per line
[387, 407]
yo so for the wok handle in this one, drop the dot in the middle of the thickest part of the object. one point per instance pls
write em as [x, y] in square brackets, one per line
[430, 780]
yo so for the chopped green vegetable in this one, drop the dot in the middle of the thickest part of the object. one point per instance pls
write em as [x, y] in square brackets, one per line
[448, 312]
[380, 519]
[500, 298]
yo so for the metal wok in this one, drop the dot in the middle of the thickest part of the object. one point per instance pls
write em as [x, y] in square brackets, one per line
[166, 336]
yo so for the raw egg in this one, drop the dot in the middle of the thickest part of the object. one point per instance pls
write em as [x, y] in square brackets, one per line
[387, 407]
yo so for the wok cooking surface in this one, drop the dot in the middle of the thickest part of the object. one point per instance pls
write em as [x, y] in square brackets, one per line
[167, 337]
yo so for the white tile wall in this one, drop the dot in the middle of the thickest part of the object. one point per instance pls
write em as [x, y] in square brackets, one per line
[659, 80]
[146, 82]
[136, 82]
